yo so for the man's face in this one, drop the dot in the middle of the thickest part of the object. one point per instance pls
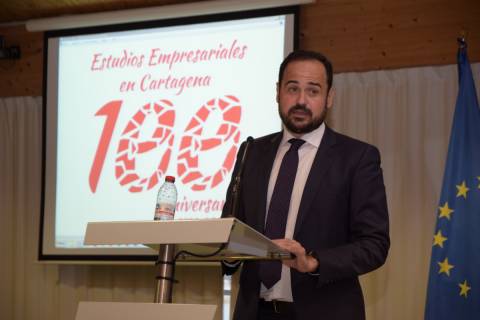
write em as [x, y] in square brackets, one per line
[302, 96]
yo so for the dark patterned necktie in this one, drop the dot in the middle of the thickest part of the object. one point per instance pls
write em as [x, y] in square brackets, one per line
[270, 271]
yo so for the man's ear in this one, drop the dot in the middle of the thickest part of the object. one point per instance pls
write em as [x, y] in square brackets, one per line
[330, 96]
[278, 92]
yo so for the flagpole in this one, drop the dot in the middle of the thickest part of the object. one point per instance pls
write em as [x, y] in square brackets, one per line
[462, 42]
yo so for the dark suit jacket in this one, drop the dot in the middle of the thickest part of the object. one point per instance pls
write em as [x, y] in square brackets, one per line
[342, 218]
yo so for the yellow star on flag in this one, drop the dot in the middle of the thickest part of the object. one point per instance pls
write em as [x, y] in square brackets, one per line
[464, 288]
[445, 267]
[479, 182]
[445, 211]
[439, 239]
[462, 190]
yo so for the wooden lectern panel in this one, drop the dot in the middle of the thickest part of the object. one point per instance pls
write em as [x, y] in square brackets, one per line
[159, 232]
[239, 240]
[143, 311]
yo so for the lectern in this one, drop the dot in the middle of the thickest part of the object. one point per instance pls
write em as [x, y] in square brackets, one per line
[192, 240]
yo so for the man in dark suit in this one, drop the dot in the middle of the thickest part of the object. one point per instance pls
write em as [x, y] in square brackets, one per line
[320, 195]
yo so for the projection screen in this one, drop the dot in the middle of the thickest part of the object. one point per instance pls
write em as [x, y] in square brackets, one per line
[126, 105]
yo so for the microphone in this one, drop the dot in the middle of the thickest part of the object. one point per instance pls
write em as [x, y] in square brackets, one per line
[238, 179]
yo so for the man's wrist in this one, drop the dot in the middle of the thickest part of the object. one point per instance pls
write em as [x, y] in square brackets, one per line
[312, 261]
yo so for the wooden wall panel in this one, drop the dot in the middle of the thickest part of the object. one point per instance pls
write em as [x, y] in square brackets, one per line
[361, 35]
[22, 77]
[20, 10]
[358, 35]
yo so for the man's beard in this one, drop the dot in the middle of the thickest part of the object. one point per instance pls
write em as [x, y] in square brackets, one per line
[313, 124]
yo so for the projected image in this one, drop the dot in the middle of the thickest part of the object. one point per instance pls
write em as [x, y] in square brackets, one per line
[134, 106]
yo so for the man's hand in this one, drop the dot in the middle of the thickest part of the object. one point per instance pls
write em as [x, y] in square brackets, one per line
[302, 262]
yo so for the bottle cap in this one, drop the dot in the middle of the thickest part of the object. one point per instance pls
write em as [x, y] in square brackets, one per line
[170, 178]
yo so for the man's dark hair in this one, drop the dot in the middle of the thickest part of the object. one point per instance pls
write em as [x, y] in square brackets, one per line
[303, 55]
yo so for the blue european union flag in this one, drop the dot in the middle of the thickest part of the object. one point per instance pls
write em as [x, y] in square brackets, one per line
[454, 280]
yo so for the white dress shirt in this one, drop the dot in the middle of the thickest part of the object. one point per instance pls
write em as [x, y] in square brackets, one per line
[282, 290]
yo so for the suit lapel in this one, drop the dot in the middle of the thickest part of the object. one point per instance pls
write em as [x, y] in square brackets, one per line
[321, 163]
[267, 157]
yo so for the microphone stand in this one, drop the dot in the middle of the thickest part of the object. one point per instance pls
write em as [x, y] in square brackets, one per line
[238, 180]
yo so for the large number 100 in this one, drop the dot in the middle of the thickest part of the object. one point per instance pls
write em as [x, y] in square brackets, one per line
[191, 145]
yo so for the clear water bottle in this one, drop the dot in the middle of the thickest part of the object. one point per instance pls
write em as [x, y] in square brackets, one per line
[166, 200]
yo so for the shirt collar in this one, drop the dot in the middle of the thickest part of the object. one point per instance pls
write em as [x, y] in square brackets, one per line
[313, 138]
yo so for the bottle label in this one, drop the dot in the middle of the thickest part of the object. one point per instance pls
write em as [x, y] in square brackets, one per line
[164, 212]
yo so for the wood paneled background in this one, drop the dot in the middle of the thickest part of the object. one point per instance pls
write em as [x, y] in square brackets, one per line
[358, 35]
